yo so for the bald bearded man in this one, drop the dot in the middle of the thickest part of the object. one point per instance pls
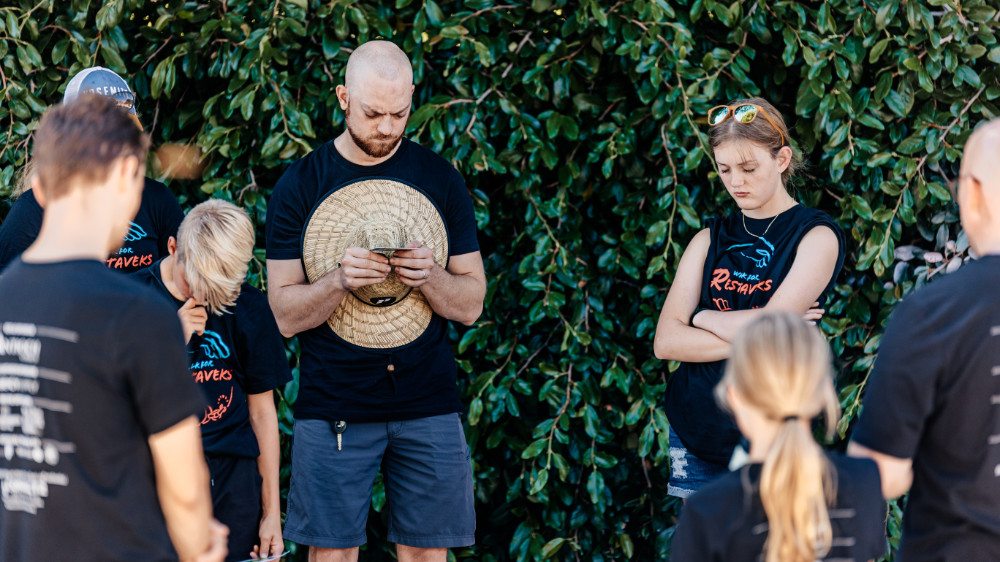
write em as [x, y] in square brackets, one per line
[932, 414]
[360, 409]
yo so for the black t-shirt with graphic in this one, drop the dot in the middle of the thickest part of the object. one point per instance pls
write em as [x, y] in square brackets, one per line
[340, 380]
[240, 353]
[91, 364]
[156, 221]
[725, 520]
[934, 397]
[741, 272]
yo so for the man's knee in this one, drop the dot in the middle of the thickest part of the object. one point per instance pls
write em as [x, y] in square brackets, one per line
[414, 554]
[317, 554]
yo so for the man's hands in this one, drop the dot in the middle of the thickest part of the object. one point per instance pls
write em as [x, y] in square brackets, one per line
[413, 267]
[193, 317]
[361, 267]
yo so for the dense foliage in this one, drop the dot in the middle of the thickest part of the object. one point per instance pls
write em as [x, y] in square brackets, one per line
[579, 127]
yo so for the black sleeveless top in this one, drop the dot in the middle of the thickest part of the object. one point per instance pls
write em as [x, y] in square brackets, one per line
[741, 272]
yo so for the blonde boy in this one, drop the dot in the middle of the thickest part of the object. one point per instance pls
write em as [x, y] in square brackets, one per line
[237, 358]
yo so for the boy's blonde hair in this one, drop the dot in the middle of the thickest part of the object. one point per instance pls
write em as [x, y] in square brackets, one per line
[780, 365]
[214, 247]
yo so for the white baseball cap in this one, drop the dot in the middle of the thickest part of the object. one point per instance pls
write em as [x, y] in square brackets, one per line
[103, 81]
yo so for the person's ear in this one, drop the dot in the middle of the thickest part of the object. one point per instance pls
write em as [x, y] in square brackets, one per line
[124, 172]
[36, 187]
[784, 158]
[342, 96]
[172, 245]
[972, 204]
[733, 398]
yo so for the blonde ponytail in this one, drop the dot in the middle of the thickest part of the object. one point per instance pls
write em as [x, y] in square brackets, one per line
[781, 366]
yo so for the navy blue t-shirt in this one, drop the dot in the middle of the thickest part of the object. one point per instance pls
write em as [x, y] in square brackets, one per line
[91, 365]
[342, 381]
[741, 273]
[156, 221]
[725, 521]
[240, 353]
[934, 397]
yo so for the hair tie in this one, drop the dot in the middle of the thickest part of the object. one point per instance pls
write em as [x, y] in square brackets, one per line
[793, 417]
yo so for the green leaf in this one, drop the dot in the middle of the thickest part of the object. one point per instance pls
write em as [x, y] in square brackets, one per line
[967, 75]
[434, 13]
[552, 547]
[877, 50]
[533, 450]
[595, 486]
[539, 483]
[541, 5]
[975, 51]
[29, 57]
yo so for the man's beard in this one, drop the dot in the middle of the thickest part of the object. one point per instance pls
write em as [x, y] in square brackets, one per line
[376, 147]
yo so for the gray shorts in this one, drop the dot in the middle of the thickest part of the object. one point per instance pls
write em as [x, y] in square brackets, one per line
[426, 467]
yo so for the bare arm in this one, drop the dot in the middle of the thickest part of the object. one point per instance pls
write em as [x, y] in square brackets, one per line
[815, 260]
[264, 421]
[675, 339]
[455, 293]
[299, 305]
[182, 487]
[896, 473]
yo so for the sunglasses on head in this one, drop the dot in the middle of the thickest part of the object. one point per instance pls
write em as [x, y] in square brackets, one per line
[743, 113]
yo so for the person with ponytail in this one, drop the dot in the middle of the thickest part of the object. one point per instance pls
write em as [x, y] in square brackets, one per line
[792, 502]
[770, 253]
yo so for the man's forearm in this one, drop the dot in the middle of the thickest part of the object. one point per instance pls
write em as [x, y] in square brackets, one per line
[182, 487]
[301, 307]
[896, 473]
[455, 297]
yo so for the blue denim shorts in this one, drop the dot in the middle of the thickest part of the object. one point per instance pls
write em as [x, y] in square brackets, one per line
[426, 467]
[688, 473]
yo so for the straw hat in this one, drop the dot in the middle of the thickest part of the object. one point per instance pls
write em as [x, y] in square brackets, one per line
[374, 213]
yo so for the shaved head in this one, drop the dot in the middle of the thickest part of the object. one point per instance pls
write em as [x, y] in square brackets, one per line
[380, 60]
[376, 97]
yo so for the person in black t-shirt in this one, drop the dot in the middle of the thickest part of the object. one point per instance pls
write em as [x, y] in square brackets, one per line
[772, 253]
[237, 358]
[154, 222]
[102, 458]
[792, 502]
[931, 417]
[359, 407]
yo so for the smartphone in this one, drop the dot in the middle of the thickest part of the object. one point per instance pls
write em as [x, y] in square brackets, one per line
[389, 250]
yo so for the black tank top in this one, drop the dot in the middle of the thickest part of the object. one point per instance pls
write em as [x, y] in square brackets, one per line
[742, 271]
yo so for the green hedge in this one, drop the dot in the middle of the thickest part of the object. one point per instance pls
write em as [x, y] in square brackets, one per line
[579, 128]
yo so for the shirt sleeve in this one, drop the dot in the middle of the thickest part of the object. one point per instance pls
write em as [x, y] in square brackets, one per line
[460, 218]
[261, 349]
[20, 229]
[901, 387]
[150, 349]
[286, 216]
[875, 512]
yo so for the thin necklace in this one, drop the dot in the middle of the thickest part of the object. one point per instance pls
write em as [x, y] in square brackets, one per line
[765, 230]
